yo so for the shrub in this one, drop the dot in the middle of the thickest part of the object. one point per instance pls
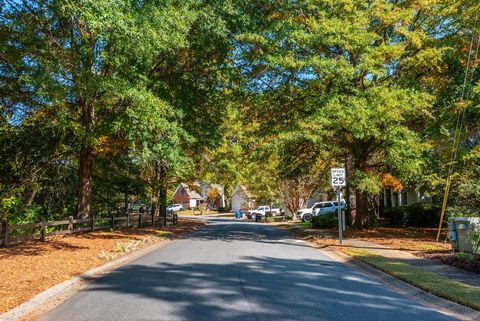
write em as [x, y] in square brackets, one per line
[394, 215]
[465, 257]
[422, 215]
[372, 219]
[417, 215]
[269, 219]
[324, 221]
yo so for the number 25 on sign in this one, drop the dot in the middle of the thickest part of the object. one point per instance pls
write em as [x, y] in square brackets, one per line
[338, 177]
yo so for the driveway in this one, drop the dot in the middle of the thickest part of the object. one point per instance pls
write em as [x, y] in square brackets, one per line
[241, 271]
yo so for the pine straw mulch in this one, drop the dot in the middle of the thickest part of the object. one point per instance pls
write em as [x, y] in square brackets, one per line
[407, 239]
[32, 267]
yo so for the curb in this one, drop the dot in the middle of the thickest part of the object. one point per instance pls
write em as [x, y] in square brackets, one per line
[54, 296]
[427, 299]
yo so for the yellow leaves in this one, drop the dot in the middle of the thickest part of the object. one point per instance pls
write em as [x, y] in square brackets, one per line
[460, 106]
[212, 193]
[418, 5]
[106, 145]
[276, 15]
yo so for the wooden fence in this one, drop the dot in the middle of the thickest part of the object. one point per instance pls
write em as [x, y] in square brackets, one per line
[10, 234]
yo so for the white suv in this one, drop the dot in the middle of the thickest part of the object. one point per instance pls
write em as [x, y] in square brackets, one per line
[309, 210]
[319, 209]
[175, 207]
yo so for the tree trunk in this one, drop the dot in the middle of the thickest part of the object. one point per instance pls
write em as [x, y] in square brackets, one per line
[348, 205]
[163, 193]
[376, 205]
[31, 195]
[125, 206]
[154, 203]
[163, 203]
[84, 205]
[361, 212]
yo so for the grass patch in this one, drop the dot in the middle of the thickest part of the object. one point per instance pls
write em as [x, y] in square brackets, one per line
[164, 234]
[121, 248]
[436, 284]
[425, 247]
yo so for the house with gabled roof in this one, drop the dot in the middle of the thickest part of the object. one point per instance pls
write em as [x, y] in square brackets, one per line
[187, 196]
[242, 198]
[192, 195]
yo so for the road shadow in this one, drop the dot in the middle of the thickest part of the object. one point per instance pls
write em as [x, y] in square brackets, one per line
[233, 231]
[36, 248]
[287, 282]
[254, 288]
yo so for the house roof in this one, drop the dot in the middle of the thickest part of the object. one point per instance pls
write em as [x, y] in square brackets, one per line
[243, 188]
[190, 192]
[196, 190]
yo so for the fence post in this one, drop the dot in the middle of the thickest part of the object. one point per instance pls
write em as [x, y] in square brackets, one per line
[70, 224]
[113, 222]
[43, 227]
[93, 222]
[153, 219]
[139, 219]
[5, 233]
[128, 220]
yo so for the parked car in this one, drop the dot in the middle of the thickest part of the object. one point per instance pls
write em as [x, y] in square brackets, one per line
[175, 207]
[301, 213]
[261, 210]
[309, 210]
[320, 208]
[328, 207]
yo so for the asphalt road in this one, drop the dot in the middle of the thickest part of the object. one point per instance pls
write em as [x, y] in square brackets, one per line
[238, 271]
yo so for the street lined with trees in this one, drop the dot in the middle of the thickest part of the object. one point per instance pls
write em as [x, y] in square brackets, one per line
[103, 103]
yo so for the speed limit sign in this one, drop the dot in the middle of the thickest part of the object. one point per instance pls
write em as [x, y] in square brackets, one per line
[338, 177]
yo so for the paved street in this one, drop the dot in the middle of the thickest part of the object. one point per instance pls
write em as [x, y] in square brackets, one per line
[238, 271]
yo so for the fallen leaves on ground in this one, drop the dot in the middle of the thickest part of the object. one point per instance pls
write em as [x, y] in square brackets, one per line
[407, 239]
[30, 268]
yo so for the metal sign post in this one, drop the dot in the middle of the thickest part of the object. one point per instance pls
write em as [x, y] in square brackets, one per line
[339, 180]
[340, 227]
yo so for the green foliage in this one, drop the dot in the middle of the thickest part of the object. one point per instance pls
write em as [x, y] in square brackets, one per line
[269, 219]
[269, 94]
[372, 219]
[8, 202]
[476, 240]
[465, 257]
[395, 215]
[351, 77]
[418, 215]
[324, 221]
[136, 84]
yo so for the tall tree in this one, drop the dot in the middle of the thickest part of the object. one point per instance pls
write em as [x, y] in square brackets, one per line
[356, 72]
[84, 63]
